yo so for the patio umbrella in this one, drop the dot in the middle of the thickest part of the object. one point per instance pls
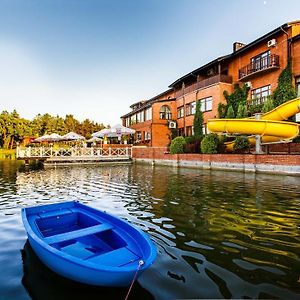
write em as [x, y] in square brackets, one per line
[101, 133]
[94, 139]
[72, 136]
[54, 137]
[115, 131]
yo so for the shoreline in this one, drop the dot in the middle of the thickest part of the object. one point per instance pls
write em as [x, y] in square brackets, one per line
[252, 163]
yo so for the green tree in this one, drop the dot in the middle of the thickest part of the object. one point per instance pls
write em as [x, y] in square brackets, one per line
[238, 96]
[242, 111]
[71, 123]
[230, 113]
[268, 105]
[198, 122]
[285, 89]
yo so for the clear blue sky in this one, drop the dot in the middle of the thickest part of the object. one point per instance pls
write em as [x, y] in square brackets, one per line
[93, 58]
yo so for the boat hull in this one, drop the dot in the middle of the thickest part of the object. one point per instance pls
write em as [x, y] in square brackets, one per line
[105, 254]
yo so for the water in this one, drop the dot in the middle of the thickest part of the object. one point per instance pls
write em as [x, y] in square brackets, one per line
[219, 234]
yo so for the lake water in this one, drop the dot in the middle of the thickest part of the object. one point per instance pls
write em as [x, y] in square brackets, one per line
[218, 234]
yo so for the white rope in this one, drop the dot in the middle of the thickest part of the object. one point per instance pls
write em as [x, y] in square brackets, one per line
[141, 262]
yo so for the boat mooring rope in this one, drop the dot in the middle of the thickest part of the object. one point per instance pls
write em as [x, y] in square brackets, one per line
[141, 262]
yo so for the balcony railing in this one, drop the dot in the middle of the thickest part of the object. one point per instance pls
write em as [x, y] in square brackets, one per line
[204, 83]
[260, 65]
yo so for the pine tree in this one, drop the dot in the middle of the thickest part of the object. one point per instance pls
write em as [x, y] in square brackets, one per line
[242, 111]
[198, 121]
[230, 113]
[285, 89]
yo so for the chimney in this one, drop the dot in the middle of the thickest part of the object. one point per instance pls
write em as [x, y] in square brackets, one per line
[237, 46]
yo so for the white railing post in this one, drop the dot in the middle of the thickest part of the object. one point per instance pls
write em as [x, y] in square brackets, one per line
[126, 151]
[109, 151]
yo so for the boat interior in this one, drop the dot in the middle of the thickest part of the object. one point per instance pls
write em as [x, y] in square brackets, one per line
[86, 237]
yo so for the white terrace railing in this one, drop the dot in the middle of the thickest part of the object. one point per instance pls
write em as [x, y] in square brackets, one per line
[49, 152]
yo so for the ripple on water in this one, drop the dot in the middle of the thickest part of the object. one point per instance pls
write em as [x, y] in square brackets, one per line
[219, 234]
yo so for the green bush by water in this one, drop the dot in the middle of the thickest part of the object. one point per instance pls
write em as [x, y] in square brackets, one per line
[177, 145]
[210, 144]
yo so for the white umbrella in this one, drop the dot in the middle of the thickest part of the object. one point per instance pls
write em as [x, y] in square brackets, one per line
[115, 131]
[101, 133]
[94, 139]
[72, 136]
[54, 137]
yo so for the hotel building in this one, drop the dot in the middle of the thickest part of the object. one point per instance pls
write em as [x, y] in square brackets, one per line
[258, 64]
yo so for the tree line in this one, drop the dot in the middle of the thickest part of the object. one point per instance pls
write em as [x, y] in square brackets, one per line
[13, 128]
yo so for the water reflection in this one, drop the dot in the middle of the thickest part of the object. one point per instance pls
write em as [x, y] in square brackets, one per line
[219, 234]
[41, 283]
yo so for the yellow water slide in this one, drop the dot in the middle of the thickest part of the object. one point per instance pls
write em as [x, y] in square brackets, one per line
[270, 126]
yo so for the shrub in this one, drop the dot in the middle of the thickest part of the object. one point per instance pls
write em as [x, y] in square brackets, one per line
[222, 109]
[230, 113]
[239, 95]
[210, 144]
[268, 105]
[242, 111]
[241, 143]
[177, 145]
[253, 109]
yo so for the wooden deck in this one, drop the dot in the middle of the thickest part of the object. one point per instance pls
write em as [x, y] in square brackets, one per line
[74, 155]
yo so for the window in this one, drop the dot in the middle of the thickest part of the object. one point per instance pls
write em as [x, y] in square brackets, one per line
[127, 121]
[205, 129]
[180, 112]
[206, 104]
[147, 136]
[133, 119]
[261, 94]
[140, 117]
[260, 61]
[190, 130]
[191, 108]
[148, 114]
[181, 131]
[138, 120]
[165, 113]
[138, 136]
[298, 86]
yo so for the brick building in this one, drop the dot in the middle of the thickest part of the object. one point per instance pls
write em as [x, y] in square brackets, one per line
[257, 64]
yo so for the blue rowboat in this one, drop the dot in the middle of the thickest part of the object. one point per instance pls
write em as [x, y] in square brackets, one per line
[87, 245]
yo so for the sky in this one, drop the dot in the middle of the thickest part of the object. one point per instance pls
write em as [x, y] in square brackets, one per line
[94, 58]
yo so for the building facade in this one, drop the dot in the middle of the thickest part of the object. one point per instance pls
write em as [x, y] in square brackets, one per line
[258, 64]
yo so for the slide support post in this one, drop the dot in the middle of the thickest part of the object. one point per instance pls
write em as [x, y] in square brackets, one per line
[258, 149]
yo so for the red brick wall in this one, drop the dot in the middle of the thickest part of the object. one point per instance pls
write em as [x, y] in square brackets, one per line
[263, 79]
[296, 57]
[162, 153]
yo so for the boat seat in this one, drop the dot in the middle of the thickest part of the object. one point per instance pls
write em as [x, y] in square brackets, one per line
[77, 233]
[55, 213]
[116, 258]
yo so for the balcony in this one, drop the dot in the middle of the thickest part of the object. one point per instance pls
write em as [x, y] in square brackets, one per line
[204, 83]
[262, 65]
